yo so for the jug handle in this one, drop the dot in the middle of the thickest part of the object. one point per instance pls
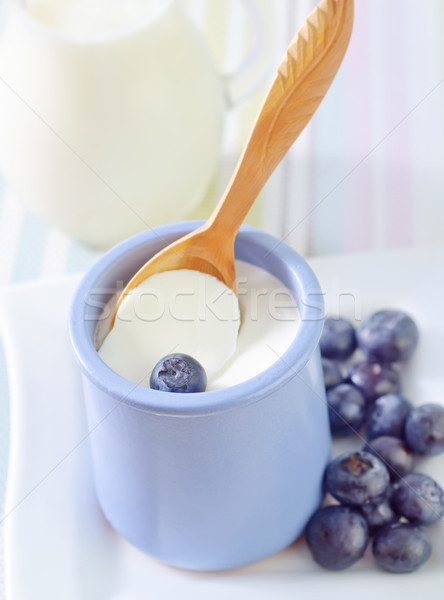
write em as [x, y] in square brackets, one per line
[255, 69]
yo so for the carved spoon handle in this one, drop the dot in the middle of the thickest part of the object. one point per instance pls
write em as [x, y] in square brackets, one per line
[302, 80]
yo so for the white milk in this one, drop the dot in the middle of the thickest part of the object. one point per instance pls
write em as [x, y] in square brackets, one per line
[269, 322]
[84, 17]
[110, 113]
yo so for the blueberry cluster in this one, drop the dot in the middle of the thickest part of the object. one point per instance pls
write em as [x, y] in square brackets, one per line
[376, 490]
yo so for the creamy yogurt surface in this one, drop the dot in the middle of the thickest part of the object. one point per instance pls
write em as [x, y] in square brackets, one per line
[234, 338]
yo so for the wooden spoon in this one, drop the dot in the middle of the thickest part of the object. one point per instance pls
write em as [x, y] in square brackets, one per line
[302, 80]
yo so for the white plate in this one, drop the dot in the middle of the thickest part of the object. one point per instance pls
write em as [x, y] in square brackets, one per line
[58, 544]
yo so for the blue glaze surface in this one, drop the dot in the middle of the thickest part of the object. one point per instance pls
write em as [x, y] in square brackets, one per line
[217, 479]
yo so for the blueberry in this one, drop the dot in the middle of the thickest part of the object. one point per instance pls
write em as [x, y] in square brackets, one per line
[388, 336]
[394, 453]
[338, 340]
[346, 409]
[419, 499]
[178, 373]
[401, 548]
[387, 416]
[356, 477]
[378, 513]
[424, 429]
[332, 373]
[337, 536]
[374, 379]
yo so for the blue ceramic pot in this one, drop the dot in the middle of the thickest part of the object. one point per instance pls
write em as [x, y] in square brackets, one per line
[218, 479]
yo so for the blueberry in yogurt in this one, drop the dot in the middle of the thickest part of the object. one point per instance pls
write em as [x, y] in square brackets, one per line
[178, 373]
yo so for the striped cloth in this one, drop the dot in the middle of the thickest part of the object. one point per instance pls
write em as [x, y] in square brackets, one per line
[365, 174]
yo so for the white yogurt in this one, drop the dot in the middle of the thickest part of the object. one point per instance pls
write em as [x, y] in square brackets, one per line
[187, 311]
[174, 311]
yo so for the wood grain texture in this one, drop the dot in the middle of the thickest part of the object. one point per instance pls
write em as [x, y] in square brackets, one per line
[302, 80]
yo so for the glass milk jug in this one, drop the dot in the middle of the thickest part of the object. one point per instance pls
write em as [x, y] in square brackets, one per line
[111, 113]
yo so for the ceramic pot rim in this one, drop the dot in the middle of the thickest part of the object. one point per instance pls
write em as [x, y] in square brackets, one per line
[303, 284]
